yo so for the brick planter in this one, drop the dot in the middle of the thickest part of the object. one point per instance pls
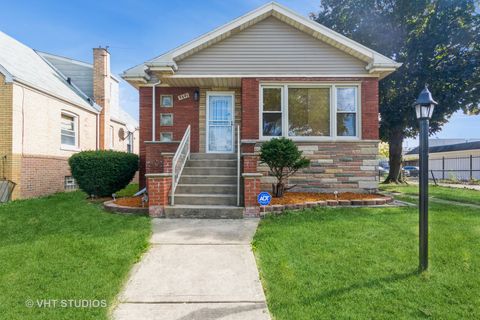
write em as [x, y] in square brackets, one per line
[112, 207]
[279, 208]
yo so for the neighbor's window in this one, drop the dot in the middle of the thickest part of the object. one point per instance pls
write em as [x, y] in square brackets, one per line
[166, 137]
[308, 112]
[130, 142]
[272, 111]
[347, 111]
[166, 119]
[166, 101]
[69, 130]
[112, 137]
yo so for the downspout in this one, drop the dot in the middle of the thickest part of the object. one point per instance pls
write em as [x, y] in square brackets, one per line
[154, 109]
[98, 131]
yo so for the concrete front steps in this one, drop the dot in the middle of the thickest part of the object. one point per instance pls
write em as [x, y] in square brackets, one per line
[207, 188]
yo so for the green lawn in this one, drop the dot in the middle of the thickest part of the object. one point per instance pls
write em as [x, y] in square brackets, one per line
[64, 247]
[340, 263]
[446, 193]
[129, 190]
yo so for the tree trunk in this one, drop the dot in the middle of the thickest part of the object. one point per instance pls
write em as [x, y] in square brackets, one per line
[395, 142]
[278, 189]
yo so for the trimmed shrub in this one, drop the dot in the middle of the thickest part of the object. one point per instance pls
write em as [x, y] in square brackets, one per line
[284, 159]
[103, 172]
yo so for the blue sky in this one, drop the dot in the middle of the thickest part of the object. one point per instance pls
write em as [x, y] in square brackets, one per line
[137, 31]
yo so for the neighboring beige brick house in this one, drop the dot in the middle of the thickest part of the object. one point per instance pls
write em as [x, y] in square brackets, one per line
[52, 107]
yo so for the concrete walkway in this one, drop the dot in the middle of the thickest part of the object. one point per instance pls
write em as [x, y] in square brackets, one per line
[196, 269]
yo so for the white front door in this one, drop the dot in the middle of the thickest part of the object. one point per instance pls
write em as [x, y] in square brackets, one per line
[220, 120]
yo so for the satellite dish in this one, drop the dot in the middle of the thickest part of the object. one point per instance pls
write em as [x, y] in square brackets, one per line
[121, 134]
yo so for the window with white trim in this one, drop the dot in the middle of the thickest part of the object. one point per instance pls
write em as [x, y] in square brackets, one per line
[346, 111]
[309, 111]
[166, 119]
[166, 137]
[70, 183]
[130, 142]
[166, 101]
[69, 131]
[272, 111]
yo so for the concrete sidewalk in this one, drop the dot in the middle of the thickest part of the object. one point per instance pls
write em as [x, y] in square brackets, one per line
[196, 269]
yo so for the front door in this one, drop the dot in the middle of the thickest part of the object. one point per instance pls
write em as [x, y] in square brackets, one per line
[220, 120]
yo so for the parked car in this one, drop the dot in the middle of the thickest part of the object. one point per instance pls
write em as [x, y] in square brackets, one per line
[383, 167]
[411, 171]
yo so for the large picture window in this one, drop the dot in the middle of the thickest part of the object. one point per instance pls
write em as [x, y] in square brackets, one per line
[309, 111]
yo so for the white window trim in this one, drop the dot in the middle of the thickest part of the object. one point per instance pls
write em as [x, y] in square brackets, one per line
[164, 114]
[161, 99]
[111, 129]
[333, 110]
[207, 103]
[76, 126]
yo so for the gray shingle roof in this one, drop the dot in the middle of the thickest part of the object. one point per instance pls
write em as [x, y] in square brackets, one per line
[24, 65]
[475, 145]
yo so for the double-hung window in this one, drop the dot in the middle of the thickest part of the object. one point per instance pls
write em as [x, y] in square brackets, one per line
[272, 101]
[347, 111]
[69, 131]
[309, 111]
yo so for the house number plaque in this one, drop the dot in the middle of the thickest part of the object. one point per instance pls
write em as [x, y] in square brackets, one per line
[184, 96]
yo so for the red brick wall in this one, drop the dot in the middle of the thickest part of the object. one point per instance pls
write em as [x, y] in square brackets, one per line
[370, 124]
[42, 175]
[185, 112]
[249, 129]
[250, 104]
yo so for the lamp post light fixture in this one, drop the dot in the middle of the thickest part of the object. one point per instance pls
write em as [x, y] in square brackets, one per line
[424, 106]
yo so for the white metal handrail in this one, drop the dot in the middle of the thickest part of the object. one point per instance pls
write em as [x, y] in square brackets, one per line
[178, 162]
[238, 166]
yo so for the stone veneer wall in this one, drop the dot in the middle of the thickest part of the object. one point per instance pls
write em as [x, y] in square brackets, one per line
[341, 166]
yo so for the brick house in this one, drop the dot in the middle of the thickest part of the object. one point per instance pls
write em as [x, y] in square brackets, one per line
[52, 107]
[269, 73]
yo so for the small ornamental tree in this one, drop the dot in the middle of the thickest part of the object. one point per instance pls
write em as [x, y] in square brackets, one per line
[284, 159]
[102, 173]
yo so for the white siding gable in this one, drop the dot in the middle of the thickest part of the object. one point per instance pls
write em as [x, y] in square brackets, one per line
[271, 47]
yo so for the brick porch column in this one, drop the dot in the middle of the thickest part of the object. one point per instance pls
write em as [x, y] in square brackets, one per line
[251, 185]
[159, 186]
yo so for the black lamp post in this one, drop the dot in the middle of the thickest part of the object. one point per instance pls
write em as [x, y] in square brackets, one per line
[424, 108]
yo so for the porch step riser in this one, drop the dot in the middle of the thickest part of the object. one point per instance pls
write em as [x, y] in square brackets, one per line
[203, 213]
[212, 156]
[206, 200]
[209, 189]
[211, 163]
[209, 171]
[207, 180]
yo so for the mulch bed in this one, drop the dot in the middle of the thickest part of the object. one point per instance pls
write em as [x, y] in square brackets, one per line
[304, 197]
[135, 202]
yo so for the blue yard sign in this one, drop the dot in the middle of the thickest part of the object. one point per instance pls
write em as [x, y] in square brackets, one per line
[264, 198]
